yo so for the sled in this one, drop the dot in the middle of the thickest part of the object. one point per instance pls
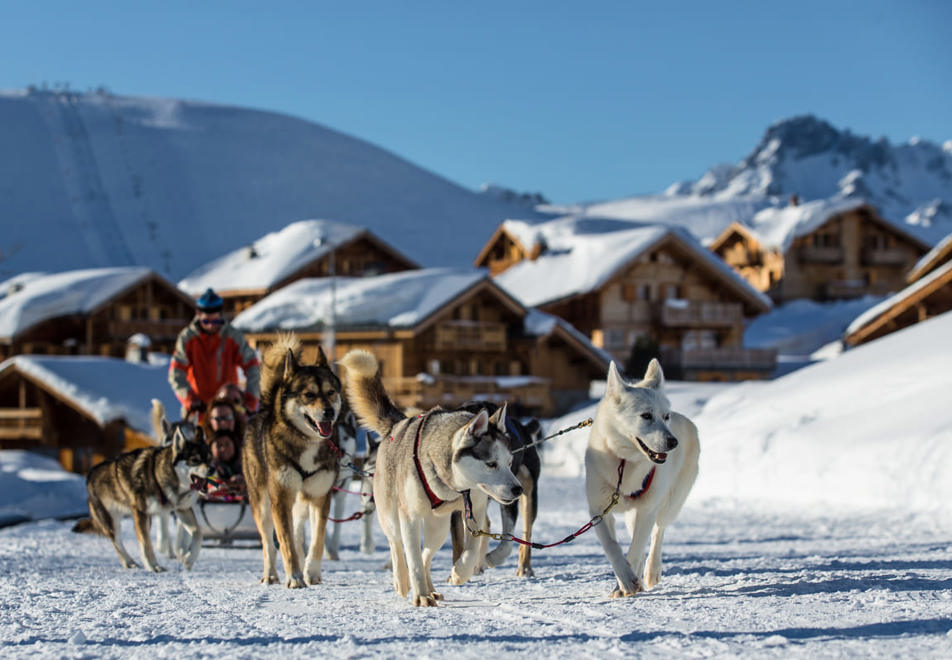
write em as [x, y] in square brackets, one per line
[224, 514]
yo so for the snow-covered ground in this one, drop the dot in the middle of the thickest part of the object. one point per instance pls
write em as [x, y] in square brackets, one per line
[820, 526]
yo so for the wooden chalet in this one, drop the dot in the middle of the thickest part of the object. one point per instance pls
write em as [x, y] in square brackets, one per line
[79, 410]
[821, 251]
[305, 249]
[928, 294]
[92, 312]
[442, 337]
[632, 283]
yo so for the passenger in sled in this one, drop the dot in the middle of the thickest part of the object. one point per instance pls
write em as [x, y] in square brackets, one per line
[224, 432]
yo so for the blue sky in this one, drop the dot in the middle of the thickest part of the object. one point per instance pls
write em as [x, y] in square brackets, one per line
[578, 101]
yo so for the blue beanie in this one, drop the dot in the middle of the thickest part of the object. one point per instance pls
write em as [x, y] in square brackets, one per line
[210, 302]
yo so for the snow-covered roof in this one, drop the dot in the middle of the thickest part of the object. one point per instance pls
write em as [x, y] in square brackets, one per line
[873, 313]
[539, 324]
[395, 300]
[581, 254]
[942, 250]
[44, 297]
[106, 389]
[271, 258]
[778, 227]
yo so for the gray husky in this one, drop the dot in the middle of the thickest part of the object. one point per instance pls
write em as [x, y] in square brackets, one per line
[426, 468]
[648, 455]
[151, 481]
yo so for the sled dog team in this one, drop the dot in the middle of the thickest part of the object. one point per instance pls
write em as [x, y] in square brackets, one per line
[641, 462]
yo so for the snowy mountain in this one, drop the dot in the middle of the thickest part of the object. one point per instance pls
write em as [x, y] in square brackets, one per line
[96, 180]
[808, 157]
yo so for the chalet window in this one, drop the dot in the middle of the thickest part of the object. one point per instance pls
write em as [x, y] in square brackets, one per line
[644, 292]
[826, 239]
[629, 292]
[433, 367]
[614, 338]
[671, 292]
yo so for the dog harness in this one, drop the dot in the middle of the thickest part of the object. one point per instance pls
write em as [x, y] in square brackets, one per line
[435, 500]
[645, 484]
[307, 475]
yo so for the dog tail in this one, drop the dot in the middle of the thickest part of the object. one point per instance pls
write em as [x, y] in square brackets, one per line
[274, 361]
[366, 394]
[158, 421]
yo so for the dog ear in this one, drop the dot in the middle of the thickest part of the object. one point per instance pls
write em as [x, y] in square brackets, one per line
[321, 357]
[477, 426]
[178, 441]
[290, 364]
[199, 434]
[654, 377]
[615, 382]
[499, 418]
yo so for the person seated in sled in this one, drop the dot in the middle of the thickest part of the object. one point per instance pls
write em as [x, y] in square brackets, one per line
[224, 431]
[233, 394]
[208, 354]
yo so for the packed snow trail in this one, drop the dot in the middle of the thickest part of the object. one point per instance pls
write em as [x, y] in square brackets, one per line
[736, 581]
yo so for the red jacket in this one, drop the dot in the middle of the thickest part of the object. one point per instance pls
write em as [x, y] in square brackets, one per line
[203, 362]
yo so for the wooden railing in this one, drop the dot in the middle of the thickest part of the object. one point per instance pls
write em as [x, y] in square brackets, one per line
[153, 329]
[470, 335]
[429, 391]
[722, 358]
[823, 255]
[680, 313]
[16, 423]
[884, 257]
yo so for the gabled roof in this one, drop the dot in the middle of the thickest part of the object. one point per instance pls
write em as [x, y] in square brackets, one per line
[405, 300]
[103, 389]
[277, 256]
[875, 317]
[777, 228]
[76, 292]
[583, 254]
[542, 325]
[500, 232]
[942, 252]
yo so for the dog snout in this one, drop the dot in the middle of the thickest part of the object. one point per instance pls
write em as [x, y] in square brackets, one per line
[671, 441]
[516, 490]
[328, 414]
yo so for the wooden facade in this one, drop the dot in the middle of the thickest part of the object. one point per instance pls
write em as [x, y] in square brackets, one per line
[474, 347]
[364, 255]
[152, 306]
[37, 418]
[669, 294]
[929, 296]
[852, 254]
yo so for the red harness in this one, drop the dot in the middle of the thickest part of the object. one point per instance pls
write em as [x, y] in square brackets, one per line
[435, 500]
[645, 484]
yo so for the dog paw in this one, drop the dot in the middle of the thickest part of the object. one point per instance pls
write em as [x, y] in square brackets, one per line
[628, 592]
[526, 572]
[295, 582]
[311, 580]
[435, 595]
[424, 601]
[652, 578]
[157, 569]
[269, 579]
[129, 564]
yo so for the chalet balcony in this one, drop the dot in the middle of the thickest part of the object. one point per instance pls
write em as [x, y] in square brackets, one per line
[840, 289]
[21, 423]
[470, 336]
[727, 358]
[821, 255]
[168, 328]
[885, 257]
[687, 313]
[426, 391]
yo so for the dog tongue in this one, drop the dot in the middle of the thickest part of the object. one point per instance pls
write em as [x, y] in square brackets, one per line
[325, 428]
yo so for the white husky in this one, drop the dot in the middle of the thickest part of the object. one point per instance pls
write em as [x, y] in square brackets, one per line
[648, 455]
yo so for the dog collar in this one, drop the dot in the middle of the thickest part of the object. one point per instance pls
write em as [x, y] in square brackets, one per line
[435, 500]
[645, 483]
